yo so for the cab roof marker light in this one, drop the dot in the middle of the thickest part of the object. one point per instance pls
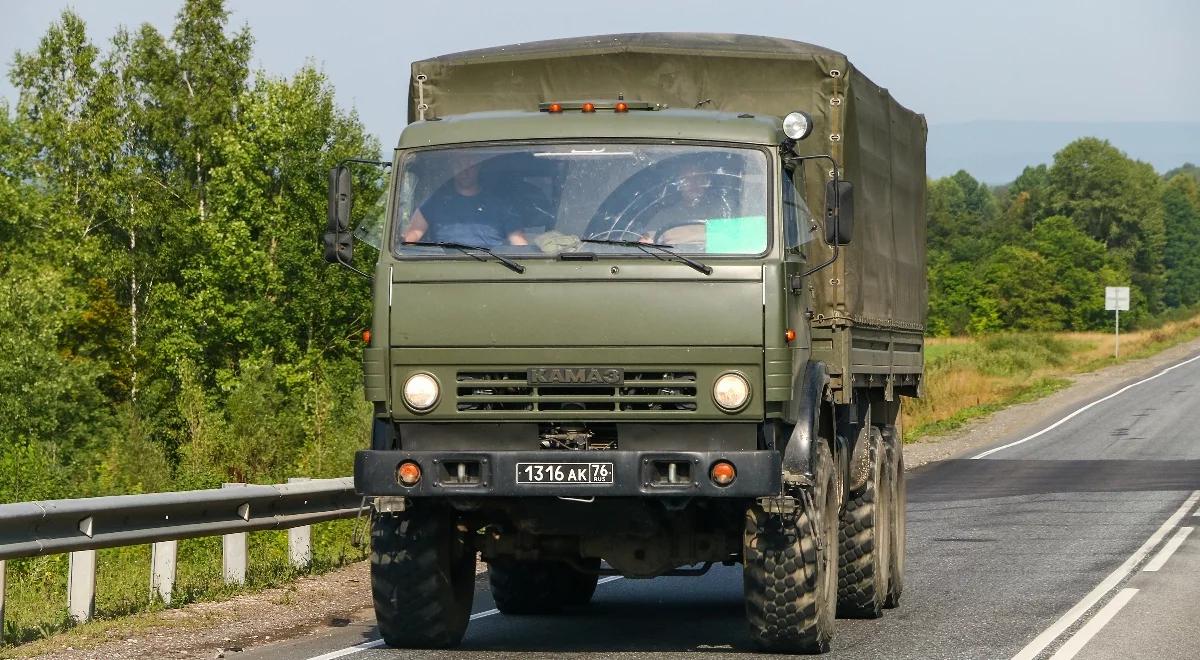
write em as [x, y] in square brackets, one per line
[592, 106]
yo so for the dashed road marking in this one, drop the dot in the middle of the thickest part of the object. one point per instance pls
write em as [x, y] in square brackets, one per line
[1088, 631]
[1089, 601]
[1168, 549]
[1089, 406]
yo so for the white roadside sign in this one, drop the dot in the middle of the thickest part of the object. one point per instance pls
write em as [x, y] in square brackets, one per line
[1116, 298]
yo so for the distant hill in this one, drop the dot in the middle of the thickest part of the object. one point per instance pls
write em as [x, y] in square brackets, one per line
[996, 151]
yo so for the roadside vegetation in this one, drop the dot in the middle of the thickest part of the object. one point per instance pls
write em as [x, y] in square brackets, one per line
[167, 322]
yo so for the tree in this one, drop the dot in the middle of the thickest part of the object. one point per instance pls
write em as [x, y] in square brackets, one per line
[1181, 256]
[159, 216]
[1114, 200]
[1028, 198]
[962, 216]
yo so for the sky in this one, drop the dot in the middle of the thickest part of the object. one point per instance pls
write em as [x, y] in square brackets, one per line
[954, 61]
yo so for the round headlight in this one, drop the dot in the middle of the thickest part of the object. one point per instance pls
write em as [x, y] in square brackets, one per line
[797, 125]
[731, 392]
[420, 392]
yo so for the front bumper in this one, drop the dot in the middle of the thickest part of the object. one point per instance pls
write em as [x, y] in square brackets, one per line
[636, 473]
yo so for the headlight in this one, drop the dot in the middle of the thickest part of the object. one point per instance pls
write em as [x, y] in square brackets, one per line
[797, 125]
[420, 392]
[731, 392]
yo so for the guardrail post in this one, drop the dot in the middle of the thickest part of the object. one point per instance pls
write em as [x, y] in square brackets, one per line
[81, 585]
[162, 569]
[300, 539]
[233, 548]
[1, 602]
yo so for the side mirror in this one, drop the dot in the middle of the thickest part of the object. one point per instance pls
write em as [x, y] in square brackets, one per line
[839, 204]
[338, 241]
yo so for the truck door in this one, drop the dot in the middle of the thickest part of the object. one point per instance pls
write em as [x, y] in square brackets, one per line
[797, 232]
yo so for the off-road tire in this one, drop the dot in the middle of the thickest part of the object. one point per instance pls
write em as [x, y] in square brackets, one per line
[540, 587]
[422, 578]
[895, 450]
[864, 541]
[790, 579]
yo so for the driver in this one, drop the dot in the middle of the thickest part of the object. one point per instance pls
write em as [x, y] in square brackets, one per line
[463, 211]
[680, 215]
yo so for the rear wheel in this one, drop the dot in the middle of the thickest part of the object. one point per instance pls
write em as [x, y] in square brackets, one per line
[790, 568]
[895, 447]
[540, 587]
[422, 578]
[865, 540]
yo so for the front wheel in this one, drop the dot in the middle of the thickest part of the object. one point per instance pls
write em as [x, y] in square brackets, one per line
[790, 568]
[422, 578]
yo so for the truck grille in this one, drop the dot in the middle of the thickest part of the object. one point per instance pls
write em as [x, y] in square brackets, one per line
[509, 391]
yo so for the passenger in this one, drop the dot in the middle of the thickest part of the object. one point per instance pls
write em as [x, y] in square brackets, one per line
[462, 210]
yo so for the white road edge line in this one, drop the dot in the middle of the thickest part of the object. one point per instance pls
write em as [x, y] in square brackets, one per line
[376, 643]
[1089, 630]
[1067, 620]
[341, 653]
[1168, 549]
[1097, 402]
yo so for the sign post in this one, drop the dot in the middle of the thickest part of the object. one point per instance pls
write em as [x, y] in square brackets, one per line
[1116, 299]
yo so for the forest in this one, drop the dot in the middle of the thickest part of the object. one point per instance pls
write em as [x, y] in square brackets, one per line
[167, 321]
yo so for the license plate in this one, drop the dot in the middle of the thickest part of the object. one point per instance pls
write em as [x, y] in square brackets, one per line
[564, 473]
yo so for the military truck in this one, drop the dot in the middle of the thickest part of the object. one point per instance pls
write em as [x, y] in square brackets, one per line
[644, 303]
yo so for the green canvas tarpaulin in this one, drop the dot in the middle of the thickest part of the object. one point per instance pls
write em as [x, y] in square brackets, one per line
[880, 280]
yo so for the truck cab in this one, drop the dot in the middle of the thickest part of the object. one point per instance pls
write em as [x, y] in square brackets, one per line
[595, 350]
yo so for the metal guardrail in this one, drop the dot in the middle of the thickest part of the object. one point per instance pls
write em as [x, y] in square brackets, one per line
[82, 526]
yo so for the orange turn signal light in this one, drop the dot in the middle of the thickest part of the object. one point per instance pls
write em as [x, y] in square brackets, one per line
[790, 335]
[555, 107]
[409, 473]
[621, 106]
[723, 473]
[588, 107]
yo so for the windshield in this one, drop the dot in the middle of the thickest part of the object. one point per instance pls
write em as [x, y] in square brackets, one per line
[554, 198]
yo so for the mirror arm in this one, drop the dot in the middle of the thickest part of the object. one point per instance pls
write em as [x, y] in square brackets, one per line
[351, 266]
[365, 161]
[837, 210]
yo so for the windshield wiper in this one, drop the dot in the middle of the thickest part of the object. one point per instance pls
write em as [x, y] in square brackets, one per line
[645, 247]
[466, 249]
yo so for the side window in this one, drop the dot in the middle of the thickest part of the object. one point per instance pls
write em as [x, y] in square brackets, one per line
[797, 220]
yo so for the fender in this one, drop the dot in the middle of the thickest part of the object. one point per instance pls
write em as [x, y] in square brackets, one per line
[811, 395]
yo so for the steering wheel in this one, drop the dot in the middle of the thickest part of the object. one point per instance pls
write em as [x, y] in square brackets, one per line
[658, 236]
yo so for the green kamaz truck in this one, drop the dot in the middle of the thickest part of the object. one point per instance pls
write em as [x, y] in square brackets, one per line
[644, 303]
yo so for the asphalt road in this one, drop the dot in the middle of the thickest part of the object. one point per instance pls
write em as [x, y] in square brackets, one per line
[1075, 542]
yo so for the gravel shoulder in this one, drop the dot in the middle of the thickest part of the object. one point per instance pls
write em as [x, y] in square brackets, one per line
[341, 598]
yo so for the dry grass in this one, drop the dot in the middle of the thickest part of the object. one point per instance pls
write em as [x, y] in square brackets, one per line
[967, 377]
